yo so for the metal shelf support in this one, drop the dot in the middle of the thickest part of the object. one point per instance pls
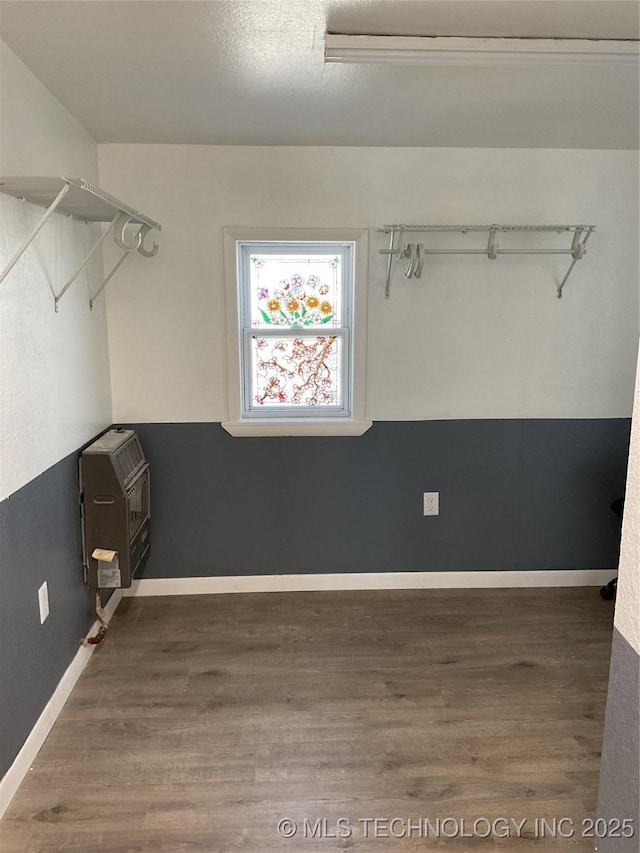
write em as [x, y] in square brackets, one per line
[115, 269]
[105, 234]
[415, 253]
[578, 250]
[23, 248]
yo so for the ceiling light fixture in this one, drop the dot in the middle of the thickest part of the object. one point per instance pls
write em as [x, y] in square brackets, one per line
[452, 50]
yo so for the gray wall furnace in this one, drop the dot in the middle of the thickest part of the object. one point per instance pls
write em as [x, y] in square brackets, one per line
[514, 494]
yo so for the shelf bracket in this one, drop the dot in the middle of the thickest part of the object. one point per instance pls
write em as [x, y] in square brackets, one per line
[115, 269]
[395, 248]
[117, 225]
[23, 248]
[387, 288]
[578, 251]
[136, 244]
[492, 248]
[96, 246]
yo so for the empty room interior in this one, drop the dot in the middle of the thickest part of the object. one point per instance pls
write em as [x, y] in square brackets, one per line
[319, 426]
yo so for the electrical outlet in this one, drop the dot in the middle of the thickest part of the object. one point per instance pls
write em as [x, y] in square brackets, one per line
[43, 601]
[431, 503]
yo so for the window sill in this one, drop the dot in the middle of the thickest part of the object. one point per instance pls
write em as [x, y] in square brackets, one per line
[283, 427]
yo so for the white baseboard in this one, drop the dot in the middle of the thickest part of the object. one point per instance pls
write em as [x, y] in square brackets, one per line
[25, 758]
[372, 580]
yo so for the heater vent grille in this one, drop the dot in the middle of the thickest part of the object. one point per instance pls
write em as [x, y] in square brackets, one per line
[128, 459]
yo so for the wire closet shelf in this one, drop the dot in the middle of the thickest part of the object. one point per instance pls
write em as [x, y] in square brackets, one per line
[414, 253]
[81, 200]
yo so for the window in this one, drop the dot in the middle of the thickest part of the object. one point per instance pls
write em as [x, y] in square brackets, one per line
[295, 308]
[296, 313]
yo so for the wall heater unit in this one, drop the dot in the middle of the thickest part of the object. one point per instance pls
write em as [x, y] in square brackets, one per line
[115, 501]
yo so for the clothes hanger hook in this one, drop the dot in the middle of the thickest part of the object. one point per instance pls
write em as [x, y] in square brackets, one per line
[119, 234]
[147, 253]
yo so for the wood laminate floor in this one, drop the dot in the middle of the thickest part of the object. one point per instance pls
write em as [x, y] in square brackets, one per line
[203, 721]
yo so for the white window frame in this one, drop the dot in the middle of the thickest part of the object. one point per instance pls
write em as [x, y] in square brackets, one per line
[348, 420]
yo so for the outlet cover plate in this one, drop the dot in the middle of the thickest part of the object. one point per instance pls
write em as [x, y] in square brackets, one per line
[431, 503]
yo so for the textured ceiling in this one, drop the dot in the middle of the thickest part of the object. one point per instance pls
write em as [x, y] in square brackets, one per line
[251, 72]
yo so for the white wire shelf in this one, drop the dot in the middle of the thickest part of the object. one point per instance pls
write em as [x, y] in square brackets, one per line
[415, 253]
[81, 200]
[558, 229]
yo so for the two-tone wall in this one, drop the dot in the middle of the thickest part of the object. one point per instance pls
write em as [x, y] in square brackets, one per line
[514, 405]
[54, 382]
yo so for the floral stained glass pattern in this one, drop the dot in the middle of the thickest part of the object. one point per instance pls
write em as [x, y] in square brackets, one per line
[296, 371]
[296, 291]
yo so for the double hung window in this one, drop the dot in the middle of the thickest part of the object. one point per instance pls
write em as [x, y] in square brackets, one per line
[297, 344]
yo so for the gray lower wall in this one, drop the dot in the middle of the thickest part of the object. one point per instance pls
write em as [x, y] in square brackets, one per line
[514, 494]
[619, 795]
[39, 540]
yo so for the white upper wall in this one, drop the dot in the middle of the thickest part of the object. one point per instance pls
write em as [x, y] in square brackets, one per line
[472, 339]
[54, 368]
[38, 135]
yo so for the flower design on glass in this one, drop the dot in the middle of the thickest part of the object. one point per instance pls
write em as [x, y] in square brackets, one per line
[334, 262]
[296, 303]
[305, 374]
[273, 391]
[258, 262]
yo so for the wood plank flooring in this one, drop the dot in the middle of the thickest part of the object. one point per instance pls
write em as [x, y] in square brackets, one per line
[204, 720]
